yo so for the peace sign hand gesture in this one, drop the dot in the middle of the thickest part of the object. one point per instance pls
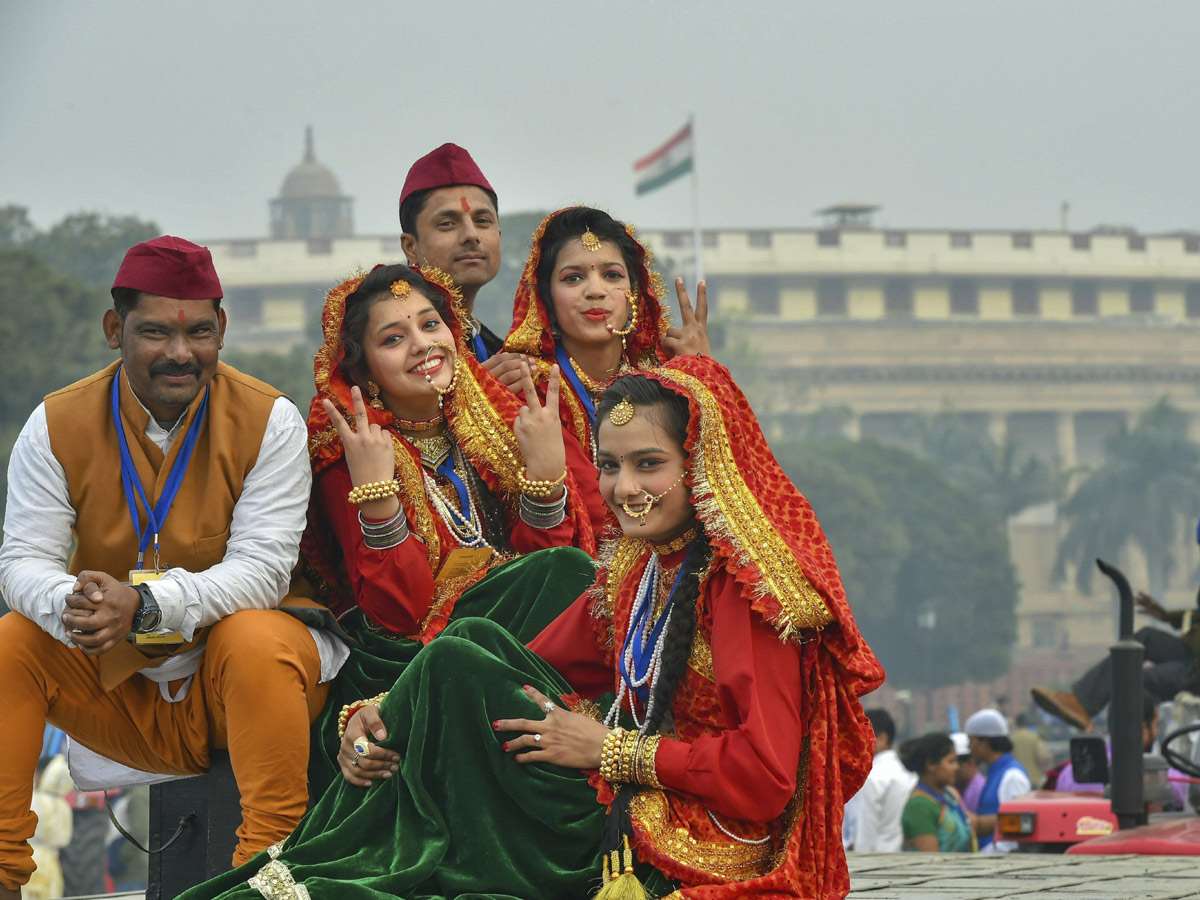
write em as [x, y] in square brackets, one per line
[538, 429]
[692, 337]
[369, 453]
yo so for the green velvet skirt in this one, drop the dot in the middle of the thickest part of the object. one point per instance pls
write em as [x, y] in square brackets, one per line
[460, 819]
[523, 595]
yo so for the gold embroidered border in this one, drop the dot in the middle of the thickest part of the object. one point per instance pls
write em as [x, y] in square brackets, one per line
[616, 558]
[720, 859]
[484, 437]
[331, 327]
[275, 882]
[734, 861]
[730, 511]
[527, 338]
[412, 496]
[700, 660]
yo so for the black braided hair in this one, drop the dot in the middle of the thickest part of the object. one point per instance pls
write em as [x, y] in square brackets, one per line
[489, 508]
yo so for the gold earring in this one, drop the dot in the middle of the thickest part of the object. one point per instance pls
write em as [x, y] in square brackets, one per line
[373, 394]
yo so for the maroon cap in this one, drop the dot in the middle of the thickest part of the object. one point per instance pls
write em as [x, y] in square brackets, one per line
[170, 267]
[448, 164]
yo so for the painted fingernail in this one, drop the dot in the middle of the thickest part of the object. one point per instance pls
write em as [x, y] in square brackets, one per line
[527, 688]
[504, 746]
[495, 726]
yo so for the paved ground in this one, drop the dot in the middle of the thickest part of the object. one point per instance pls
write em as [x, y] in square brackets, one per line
[952, 876]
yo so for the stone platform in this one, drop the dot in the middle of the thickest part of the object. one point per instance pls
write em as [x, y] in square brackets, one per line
[987, 876]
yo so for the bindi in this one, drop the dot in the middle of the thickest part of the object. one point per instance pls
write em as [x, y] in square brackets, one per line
[466, 207]
[181, 316]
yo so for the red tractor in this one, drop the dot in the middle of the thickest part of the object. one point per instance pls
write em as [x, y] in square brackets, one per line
[1128, 817]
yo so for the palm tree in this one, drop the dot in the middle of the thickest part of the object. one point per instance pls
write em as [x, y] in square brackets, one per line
[1147, 486]
[1001, 476]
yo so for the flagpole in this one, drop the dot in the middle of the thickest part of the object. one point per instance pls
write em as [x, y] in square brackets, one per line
[697, 239]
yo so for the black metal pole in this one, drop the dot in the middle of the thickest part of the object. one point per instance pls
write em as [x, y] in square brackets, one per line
[1125, 711]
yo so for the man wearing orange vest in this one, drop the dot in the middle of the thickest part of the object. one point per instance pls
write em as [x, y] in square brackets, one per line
[182, 486]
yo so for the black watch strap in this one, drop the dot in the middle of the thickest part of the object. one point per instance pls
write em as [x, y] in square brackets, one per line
[148, 615]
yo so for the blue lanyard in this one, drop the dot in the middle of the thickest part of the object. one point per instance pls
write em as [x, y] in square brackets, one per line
[643, 650]
[157, 515]
[446, 470]
[477, 341]
[569, 373]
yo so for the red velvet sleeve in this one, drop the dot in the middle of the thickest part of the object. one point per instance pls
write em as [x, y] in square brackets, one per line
[569, 645]
[393, 587]
[749, 770]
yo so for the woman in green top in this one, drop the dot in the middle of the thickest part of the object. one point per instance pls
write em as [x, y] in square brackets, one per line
[934, 819]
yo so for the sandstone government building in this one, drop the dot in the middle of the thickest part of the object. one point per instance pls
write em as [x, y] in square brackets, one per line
[1052, 338]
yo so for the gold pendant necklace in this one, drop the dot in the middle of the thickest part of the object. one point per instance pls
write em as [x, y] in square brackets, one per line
[433, 449]
[590, 384]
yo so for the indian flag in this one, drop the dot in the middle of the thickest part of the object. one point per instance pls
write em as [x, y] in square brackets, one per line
[668, 162]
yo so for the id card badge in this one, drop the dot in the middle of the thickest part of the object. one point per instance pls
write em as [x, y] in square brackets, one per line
[463, 561]
[141, 576]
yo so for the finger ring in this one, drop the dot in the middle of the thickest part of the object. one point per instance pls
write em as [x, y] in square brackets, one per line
[354, 762]
[549, 706]
[361, 746]
[537, 739]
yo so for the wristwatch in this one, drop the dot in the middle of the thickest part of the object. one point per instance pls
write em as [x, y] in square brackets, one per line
[147, 616]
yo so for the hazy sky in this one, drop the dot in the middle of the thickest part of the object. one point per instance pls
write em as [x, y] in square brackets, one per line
[949, 114]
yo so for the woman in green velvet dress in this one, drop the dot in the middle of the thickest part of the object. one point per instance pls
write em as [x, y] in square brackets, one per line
[428, 476]
[721, 769]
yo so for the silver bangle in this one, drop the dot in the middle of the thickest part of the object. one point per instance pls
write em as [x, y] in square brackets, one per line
[386, 534]
[543, 515]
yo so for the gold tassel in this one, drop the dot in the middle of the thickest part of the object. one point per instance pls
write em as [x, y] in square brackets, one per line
[619, 881]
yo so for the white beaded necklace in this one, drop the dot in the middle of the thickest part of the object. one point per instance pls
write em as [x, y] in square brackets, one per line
[648, 589]
[467, 532]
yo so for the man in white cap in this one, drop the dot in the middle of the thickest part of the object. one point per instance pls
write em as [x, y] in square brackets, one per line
[989, 743]
[968, 780]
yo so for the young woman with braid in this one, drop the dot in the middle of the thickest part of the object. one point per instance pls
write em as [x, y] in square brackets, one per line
[736, 734]
[429, 475]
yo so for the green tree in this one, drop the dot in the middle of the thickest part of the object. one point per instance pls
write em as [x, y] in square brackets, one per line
[15, 228]
[1147, 486]
[91, 245]
[50, 336]
[869, 544]
[291, 373]
[953, 561]
[1002, 476]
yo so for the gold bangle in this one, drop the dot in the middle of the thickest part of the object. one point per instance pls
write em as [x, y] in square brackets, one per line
[539, 490]
[351, 708]
[647, 771]
[610, 756]
[373, 490]
[628, 750]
